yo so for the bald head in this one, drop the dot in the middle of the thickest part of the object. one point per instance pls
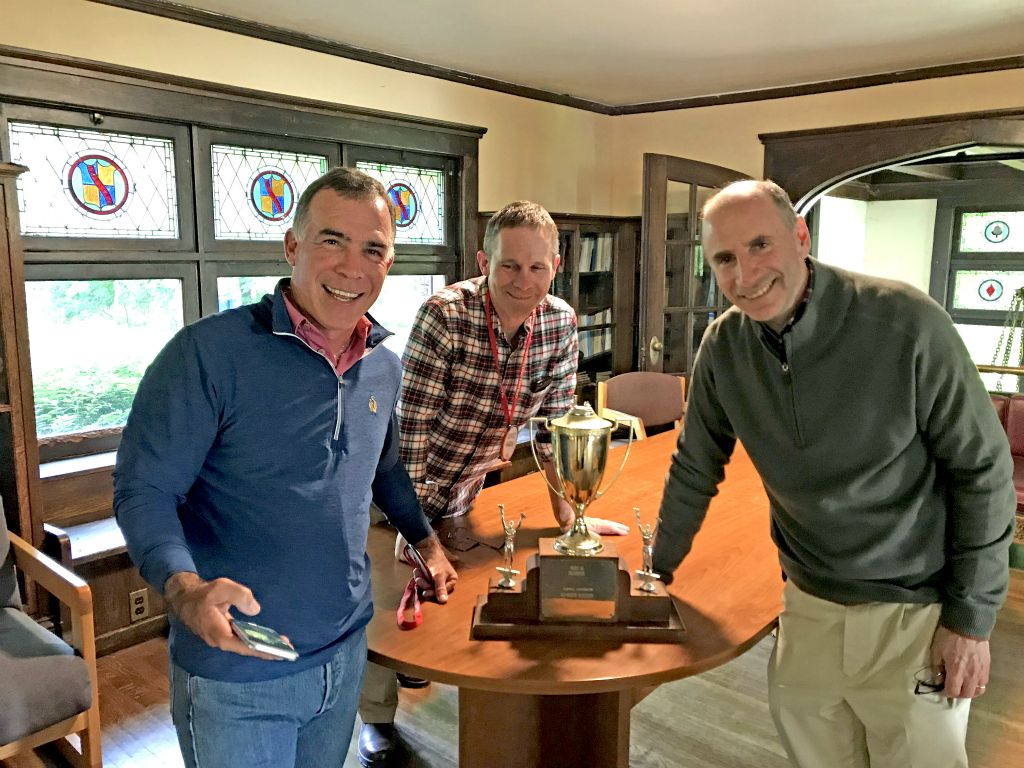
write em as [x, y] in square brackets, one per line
[740, 191]
[757, 247]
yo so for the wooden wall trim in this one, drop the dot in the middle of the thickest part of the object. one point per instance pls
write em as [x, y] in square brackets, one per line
[828, 86]
[808, 164]
[910, 122]
[223, 22]
[34, 77]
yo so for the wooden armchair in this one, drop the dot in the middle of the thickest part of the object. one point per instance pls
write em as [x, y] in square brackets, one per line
[48, 691]
[644, 398]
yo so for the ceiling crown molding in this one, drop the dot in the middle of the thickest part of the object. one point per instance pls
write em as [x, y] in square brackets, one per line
[223, 22]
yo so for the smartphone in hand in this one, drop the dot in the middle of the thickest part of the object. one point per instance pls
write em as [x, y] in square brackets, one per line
[263, 639]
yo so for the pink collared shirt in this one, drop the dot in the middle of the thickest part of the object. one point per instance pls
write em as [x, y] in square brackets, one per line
[315, 338]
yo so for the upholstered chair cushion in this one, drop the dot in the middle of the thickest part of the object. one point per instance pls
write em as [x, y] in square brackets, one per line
[1000, 402]
[656, 398]
[9, 597]
[44, 682]
[1015, 424]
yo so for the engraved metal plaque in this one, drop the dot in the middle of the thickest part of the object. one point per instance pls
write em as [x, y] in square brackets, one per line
[583, 589]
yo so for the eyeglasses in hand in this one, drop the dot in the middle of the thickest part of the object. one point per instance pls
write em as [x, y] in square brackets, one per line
[930, 679]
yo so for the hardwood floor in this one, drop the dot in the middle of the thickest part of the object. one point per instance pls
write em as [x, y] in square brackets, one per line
[716, 720]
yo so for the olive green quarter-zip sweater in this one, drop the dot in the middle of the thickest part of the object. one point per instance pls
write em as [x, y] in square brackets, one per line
[888, 474]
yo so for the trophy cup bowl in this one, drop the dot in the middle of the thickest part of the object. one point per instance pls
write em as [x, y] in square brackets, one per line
[580, 442]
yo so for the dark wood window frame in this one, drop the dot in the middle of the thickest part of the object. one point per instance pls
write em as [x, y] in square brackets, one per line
[102, 440]
[194, 115]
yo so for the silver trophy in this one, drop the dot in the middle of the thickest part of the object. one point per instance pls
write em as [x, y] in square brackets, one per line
[647, 533]
[511, 529]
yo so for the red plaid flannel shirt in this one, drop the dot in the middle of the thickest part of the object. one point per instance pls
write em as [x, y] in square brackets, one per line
[451, 417]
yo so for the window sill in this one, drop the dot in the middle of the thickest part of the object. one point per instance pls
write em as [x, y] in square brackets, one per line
[78, 465]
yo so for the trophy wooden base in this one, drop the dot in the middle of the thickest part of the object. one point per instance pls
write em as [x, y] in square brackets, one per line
[577, 598]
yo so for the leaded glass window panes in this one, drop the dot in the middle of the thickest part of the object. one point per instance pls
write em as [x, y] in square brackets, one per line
[999, 231]
[248, 289]
[418, 195]
[88, 183]
[985, 288]
[255, 190]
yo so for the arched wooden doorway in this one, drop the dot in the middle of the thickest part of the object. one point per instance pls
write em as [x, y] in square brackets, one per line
[807, 163]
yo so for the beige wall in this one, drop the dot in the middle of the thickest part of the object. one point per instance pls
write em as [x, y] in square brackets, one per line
[727, 135]
[567, 159]
[898, 240]
[554, 155]
[885, 238]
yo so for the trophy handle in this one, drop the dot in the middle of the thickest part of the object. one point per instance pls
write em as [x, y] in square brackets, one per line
[536, 458]
[618, 422]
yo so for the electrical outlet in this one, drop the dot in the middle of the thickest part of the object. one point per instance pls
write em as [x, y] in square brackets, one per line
[138, 604]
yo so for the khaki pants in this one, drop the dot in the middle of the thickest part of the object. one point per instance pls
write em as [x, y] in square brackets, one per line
[379, 698]
[841, 687]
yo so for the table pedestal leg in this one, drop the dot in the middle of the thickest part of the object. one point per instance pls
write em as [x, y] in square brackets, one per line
[527, 731]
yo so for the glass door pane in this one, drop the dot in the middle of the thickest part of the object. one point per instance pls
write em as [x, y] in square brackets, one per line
[679, 295]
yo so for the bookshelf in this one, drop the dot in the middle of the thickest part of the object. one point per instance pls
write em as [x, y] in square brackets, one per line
[597, 276]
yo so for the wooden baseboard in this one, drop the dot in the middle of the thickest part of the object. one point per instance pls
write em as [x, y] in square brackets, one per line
[154, 626]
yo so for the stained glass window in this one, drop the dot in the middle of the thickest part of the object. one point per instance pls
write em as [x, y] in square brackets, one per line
[1000, 231]
[87, 183]
[255, 190]
[418, 195]
[985, 288]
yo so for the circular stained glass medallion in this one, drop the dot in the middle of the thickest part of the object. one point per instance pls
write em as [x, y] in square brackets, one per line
[272, 194]
[407, 205]
[997, 231]
[990, 290]
[98, 184]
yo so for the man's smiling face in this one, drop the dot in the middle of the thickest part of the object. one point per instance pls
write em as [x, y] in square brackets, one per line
[757, 257]
[339, 260]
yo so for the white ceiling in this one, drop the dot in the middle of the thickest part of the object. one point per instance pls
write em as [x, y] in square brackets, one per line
[619, 53]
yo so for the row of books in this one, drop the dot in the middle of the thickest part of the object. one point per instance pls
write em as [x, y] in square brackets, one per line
[596, 253]
[595, 318]
[595, 342]
[591, 377]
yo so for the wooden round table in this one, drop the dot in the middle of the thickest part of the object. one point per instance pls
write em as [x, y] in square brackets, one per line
[538, 703]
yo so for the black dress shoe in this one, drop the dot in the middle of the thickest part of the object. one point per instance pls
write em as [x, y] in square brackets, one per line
[376, 744]
[411, 682]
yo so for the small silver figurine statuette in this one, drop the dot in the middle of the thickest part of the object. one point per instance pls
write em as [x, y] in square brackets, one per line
[647, 534]
[511, 529]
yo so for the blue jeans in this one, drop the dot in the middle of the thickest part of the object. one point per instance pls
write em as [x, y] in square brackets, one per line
[303, 720]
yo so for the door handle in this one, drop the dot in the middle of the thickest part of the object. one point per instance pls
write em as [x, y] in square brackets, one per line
[654, 350]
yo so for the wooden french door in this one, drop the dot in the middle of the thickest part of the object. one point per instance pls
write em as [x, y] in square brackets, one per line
[678, 292]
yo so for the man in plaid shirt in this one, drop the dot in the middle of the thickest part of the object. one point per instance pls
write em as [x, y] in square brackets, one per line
[484, 356]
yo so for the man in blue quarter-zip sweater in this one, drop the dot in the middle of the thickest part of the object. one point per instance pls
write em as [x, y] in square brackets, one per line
[889, 481]
[255, 444]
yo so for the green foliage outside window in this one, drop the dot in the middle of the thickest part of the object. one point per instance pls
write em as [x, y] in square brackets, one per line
[91, 342]
[95, 398]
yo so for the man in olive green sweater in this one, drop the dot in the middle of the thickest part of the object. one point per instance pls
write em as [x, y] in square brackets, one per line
[889, 480]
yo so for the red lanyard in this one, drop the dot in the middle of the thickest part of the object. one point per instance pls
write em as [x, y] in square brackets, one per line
[509, 410]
